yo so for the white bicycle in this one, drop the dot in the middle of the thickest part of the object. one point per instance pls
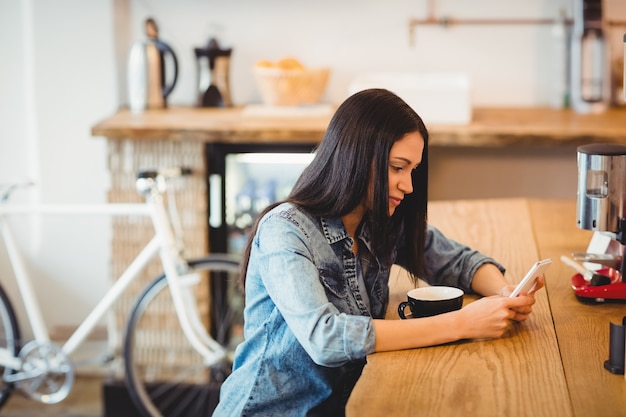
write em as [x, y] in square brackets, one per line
[169, 367]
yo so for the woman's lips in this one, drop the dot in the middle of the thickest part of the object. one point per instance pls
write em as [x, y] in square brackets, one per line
[395, 201]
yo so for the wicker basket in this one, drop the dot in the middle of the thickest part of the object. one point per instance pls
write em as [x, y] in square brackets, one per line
[280, 87]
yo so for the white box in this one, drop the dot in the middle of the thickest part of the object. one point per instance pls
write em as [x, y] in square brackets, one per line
[439, 98]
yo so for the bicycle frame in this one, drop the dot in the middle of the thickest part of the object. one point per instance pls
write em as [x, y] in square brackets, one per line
[164, 242]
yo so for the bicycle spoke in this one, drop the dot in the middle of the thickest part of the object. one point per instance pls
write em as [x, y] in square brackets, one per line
[166, 376]
[9, 342]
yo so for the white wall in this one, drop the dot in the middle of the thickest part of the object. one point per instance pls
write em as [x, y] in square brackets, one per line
[57, 80]
[62, 70]
[508, 65]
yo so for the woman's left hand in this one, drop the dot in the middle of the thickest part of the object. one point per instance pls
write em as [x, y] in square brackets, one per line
[522, 312]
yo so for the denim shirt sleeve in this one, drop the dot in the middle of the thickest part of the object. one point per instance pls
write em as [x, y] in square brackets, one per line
[448, 262]
[285, 256]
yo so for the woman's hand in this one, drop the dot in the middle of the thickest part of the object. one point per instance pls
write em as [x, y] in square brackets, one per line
[485, 318]
[489, 317]
[523, 312]
[488, 279]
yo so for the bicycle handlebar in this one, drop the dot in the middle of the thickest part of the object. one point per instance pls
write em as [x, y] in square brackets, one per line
[154, 180]
[164, 172]
[6, 190]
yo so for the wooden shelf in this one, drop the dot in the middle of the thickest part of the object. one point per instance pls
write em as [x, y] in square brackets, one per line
[490, 127]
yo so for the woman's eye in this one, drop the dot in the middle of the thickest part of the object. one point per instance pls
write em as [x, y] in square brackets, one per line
[396, 168]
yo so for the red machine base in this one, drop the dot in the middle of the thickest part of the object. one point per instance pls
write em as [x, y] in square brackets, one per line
[616, 290]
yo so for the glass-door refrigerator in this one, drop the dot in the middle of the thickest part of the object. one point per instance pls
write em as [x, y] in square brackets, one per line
[242, 181]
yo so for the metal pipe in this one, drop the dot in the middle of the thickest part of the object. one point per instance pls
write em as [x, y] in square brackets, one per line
[448, 21]
[431, 19]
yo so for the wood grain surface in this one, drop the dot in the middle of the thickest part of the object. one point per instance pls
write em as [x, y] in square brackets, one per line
[492, 127]
[518, 375]
[582, 328]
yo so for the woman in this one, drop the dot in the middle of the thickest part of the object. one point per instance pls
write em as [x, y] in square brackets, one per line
[317, 266]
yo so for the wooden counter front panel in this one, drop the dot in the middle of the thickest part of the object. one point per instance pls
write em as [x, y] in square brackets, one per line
[131, 233]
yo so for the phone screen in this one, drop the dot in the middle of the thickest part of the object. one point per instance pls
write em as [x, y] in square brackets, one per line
[527, 283]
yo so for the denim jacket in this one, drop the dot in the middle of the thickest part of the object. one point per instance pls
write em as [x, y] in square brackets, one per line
[307, 327]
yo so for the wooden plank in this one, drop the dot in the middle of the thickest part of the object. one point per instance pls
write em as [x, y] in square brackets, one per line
[532, 126]
[582, 329]
[517, 375]
[210, 125]
[489, 127]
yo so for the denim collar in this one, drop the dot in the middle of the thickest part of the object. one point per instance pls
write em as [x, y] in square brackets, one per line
[333, 228]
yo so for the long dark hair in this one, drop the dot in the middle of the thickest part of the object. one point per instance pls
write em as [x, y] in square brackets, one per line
[354, 153]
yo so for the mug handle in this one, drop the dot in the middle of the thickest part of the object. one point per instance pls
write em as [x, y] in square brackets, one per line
[401, 308]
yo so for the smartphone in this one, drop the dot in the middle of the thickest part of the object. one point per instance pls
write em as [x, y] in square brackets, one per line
[528, 282]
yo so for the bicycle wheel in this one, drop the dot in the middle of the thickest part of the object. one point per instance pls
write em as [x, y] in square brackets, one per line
[165, 375]
[9, 340]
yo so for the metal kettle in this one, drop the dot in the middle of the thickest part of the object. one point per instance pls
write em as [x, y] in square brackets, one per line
[148, 87]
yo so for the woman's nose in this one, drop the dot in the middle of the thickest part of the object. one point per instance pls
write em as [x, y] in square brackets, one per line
[406, 184]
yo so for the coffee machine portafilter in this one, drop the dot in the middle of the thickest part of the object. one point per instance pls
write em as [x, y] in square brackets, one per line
[601, 206]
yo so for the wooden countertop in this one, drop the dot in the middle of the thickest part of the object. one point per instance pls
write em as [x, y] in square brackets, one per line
[551, 365]
[489, 127]
[582, 329]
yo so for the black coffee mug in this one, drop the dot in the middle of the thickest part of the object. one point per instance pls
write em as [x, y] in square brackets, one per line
[430, 301]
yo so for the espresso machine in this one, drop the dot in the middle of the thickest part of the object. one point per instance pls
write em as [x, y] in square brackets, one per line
[601, 207]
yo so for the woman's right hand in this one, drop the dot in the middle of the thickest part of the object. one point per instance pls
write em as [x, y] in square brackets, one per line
[489, 317]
